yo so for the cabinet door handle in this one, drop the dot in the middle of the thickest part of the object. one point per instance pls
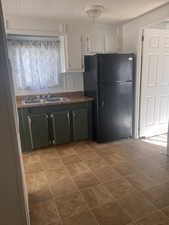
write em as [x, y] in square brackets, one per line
[53, 128]
[74, 115]
[30, 130]
[68, 117]
[87, 44]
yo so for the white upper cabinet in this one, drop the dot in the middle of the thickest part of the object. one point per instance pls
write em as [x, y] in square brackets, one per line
[87, 40]
[74, 50]
[100, 40]
[110, 43]
[94, 43]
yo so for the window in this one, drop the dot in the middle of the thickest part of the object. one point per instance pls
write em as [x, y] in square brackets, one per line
[35, 63]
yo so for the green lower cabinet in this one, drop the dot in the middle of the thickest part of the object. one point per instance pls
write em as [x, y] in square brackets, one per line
[24, 131]
[39, 130]
[61, 127]
[41, 127]
[80, 124]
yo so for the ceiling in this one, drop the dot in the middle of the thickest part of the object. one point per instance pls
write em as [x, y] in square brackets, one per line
[115, 10]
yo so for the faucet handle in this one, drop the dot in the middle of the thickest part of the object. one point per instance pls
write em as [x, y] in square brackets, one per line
[43, 96]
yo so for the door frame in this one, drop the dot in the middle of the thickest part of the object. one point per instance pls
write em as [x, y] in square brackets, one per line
[14, 202]
[138, 85]
[139, 79]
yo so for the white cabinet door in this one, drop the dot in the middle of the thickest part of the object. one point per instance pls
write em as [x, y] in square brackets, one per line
[110, 43]
[86, 42]
[154, 107]
[74, 52]
[95, 43]
[101, 41]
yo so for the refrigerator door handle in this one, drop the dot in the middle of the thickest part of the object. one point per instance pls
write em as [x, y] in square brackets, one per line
[102, 104]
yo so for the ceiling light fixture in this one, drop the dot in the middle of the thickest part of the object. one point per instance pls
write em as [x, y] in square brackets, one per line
[94, 11]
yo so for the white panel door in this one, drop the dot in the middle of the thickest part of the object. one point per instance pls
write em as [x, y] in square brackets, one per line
[154, 106]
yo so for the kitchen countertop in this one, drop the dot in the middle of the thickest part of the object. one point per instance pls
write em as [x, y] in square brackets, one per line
[72, 99]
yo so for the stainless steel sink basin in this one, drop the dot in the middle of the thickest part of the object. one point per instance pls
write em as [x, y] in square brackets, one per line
[57, 99]
[47, 99]
[32, 101]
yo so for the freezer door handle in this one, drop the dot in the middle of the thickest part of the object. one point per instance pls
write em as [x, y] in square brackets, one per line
[102, 104]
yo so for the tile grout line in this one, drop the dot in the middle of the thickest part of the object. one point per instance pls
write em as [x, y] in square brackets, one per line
[87, 207]
[56, 208]
[116, 200]
[80, 191]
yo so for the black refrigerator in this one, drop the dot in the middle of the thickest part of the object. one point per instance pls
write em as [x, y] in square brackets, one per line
[109, 78]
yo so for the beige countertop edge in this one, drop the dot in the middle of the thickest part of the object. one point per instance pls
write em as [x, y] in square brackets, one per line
[72, 100]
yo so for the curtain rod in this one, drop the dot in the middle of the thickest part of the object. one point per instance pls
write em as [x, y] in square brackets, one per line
[31, 37]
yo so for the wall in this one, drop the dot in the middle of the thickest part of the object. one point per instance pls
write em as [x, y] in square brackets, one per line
[70, 81]
[131, 30]
[161, 26]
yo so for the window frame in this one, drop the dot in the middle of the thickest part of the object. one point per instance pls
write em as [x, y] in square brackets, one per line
[62, 53]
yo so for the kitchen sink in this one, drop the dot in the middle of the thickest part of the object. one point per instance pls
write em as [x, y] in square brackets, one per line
[57, 99]
[47, 99]
[33, 101]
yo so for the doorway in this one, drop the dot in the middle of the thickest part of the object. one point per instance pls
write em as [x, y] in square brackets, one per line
[154, 91]
[159, 140]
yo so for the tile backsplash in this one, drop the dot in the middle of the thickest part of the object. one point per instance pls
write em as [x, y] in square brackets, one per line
[68, 82]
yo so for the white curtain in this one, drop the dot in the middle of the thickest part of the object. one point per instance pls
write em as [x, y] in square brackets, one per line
[35, 63]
